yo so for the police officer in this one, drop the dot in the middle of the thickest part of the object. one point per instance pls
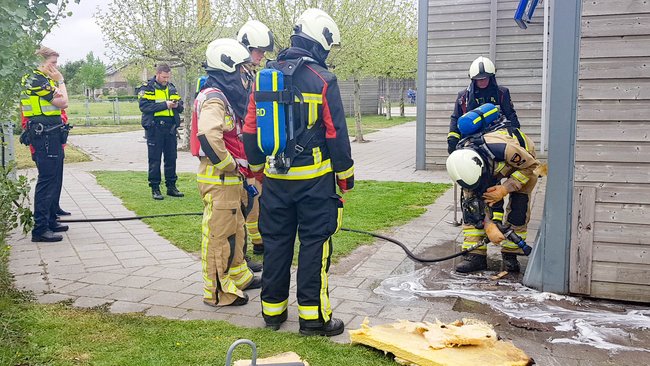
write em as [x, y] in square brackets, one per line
[303, 199]
[483, 88]
[490, 167]
[220, 176]
[161, 107]
[42, 99]
[258, 38]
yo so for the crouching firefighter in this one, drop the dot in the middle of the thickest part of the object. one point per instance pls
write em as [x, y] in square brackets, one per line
[491, 163]
[216, 126]
[295, 130]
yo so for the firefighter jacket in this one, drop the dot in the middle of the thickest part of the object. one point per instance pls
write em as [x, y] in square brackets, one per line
[153, 99]
[472, 97]
[221, 151]
[514, 160]
[36, 97]
[329, 149]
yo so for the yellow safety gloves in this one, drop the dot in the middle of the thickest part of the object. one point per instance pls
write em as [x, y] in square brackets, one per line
[494, 234]
[495, 194]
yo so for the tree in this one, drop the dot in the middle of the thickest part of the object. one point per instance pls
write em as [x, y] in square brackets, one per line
[69, 71]
[92, 73]
[133, 73]
[172, 31]
[24, 25]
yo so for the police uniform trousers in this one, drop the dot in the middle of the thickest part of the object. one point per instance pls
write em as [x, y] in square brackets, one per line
[312, 209]
[225, 273]
[252, 227]
[517, 215]
[161, 141]
[48, 156]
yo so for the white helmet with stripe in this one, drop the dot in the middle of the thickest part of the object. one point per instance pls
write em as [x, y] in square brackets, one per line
[465, 167]
[226, 54]
[482, 68]
[254, 34]
[316, 25]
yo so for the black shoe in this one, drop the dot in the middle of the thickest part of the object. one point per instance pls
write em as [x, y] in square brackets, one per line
[240, 301]
[275, 322]
[258, 249]
[60, 228]
[254, 266]
[255, 283]
[61, 212]
[174, 192]
[332, 328]
[155, 193]
[510, 262]
[47, 237]
[472, 263]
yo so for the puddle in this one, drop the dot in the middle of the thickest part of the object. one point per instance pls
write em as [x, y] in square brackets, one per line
[610, 326]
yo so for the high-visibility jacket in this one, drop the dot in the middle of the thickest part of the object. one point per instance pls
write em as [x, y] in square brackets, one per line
[37, 95]
[153, 99]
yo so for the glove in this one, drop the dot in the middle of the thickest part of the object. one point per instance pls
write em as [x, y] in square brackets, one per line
[494, 234]
[495, 194]
[452, 142]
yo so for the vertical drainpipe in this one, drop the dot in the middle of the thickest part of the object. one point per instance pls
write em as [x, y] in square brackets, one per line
[421, 106]
[548, 268]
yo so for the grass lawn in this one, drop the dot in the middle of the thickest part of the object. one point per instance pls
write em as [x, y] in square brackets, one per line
[371, 206]
[24, 158]
[77, 109]
[33, 334]
[371, 123]
[80, 129]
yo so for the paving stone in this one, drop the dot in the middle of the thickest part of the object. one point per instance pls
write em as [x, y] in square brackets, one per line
[32, 260]
[165, 284]
[359, 308]
[403, 312]
[65, 261]
[74, 286]
[102, 278]
[167, 312]
[174, 273]
[96, 290]
[56, 284]
[96, 253]
[345, 281]
[122, 307]
[248, 321]
[86, 250]
[133, 255]
[139, 262]
[147, 271]
[177, 254]
[351, 293]
[127, 248]
[194, 288]
[196, 303]
[206, 315]
[132, 294]
[250, 309]
[90, 302]
[135, 281]
[167, 299]
[53, 298]
[101, 262]
[23, 270]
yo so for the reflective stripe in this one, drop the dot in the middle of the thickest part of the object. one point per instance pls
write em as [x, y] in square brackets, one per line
[488, 113]
[308, 312]
[256, 167]
[210, 179]
[453, 134]
[473, 232]
[205, 237]
[497, 216]
[509, 245]
[225, 162]
[233, 271]
[318, 156]
[274, 309]
[302, 172]
[325, 306]
[500, 166]
[313, 101]
[49, 108]
[246, 277]
[469, 244]
[523, 135]
[520, 177]
[207, 294]
[345, 174]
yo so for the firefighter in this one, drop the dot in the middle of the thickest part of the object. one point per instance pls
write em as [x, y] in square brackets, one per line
[483, 88]
[258, 38]
[42, 99]
[303, 199]
[161, 107]
[221, 174]
[489, 167]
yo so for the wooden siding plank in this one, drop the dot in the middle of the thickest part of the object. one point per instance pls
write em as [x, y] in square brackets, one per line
[627, 193]
[582, 238]
[622, 233]
[626, 213]
[623, 131]
[621, 253]
[620, 291]
[614, 68]
[607, 7]
[612, 110]
[616, 25]
[613, 152]
[612, 172]
[638, 274]
[632, 46]
[630, 89]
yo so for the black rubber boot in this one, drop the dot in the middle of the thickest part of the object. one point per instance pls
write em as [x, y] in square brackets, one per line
[332, 328]
[472, 263]
[62, 212]
[277, 321]
[254, 266]
[59, 228]
[174, 192]
[255, 283]
[258, 249]
[155, 194]
[510, 262]
[47, 236]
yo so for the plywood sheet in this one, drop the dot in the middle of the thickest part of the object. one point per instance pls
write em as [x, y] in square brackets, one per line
[275, 360]
[462, 343]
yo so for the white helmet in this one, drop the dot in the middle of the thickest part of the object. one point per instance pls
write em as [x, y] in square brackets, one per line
[465, 167]
[254, 34]
[482, 68]
[316, 25]
[225, 54]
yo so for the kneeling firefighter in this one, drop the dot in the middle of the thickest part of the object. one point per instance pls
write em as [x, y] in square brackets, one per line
[295, 130]
[488, 154]
[216, 141]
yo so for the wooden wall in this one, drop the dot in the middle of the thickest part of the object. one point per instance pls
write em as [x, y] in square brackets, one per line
[611, 210]
[459, 31]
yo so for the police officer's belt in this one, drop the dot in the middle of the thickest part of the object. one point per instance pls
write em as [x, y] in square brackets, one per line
[41, 129]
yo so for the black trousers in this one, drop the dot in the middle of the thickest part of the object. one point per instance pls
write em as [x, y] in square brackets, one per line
[311, 208]
[48, 156]
[161, 140]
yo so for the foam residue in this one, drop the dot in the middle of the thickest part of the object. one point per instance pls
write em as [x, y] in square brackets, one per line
[589, 322]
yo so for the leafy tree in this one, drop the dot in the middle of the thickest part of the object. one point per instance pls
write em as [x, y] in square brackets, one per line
[24, 25]
[69, 71]
[92, 74]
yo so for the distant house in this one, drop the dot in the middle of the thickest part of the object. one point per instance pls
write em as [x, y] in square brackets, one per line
[116, 79]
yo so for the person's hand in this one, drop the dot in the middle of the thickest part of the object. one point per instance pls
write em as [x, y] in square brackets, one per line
[52, 72]
[172, 104]
[452, 142]
[493, 233]
[495, 194]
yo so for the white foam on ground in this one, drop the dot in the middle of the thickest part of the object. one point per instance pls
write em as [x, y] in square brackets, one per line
[594, 327]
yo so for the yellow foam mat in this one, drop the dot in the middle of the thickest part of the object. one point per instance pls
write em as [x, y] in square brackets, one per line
[278, 359]
[468, 342]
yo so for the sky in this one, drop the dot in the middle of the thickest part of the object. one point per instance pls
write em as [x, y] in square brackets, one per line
[77, 35]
